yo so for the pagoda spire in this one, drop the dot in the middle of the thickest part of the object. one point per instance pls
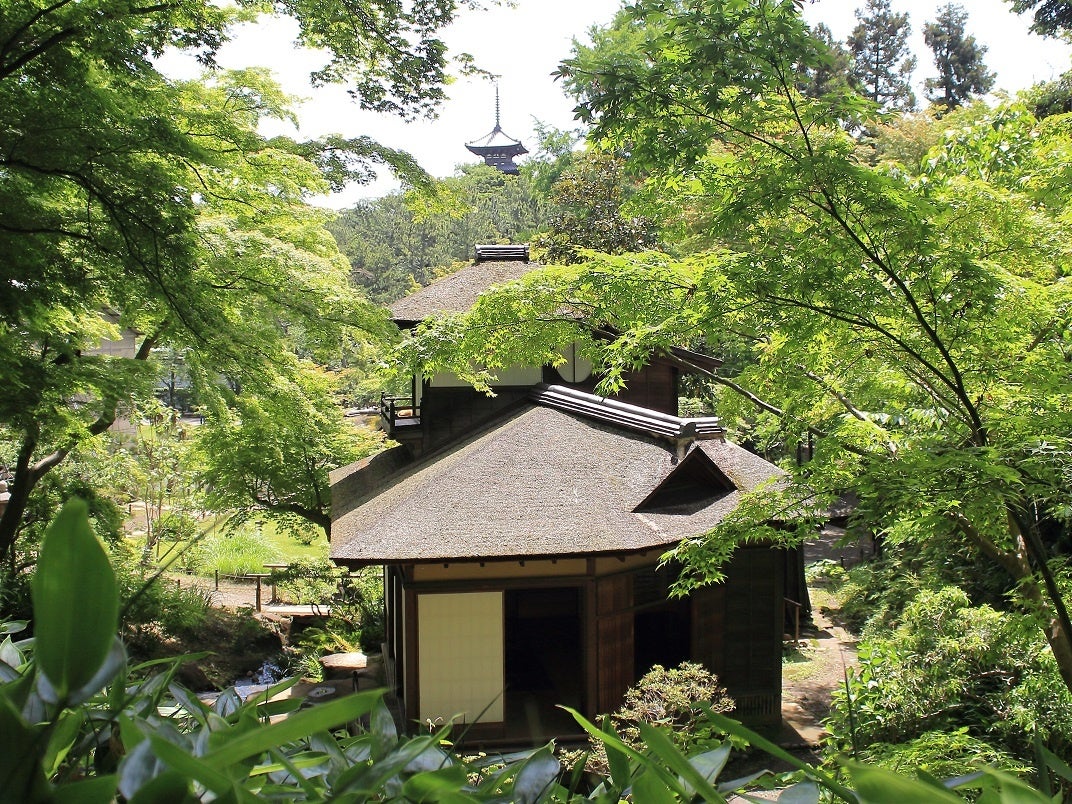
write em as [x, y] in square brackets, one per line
[497, 148]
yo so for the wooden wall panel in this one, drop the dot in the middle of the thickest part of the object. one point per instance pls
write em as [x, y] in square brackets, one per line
[614, 640]
[708, 626]
[752, 655]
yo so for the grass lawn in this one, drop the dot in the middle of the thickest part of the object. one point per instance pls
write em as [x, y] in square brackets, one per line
[245, 551]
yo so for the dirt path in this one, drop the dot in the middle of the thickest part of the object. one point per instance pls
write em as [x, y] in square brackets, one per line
[816, 667]
[230, 594]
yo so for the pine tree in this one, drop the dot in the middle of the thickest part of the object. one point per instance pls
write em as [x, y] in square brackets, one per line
[959, 59]
[881, 62]
[831, 76]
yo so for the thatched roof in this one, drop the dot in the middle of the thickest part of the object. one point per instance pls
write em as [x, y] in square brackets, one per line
[542, 482]
[457, 292]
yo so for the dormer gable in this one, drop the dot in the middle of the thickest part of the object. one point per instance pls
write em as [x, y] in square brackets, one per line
[694, 483]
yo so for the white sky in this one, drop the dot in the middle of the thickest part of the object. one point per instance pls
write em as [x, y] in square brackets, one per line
[524, 45]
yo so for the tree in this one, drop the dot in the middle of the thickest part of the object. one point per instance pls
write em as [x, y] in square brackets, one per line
[270, 452]
[959, 59]
[882, 63]
[1051, 16]
[918, 328]
[590, 211]
[832, 74]
[406, 238]
[159, 204]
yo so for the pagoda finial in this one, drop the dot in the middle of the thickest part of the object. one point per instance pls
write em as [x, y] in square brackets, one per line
[497, 148]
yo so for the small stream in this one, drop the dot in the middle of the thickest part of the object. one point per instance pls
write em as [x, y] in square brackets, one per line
[259, 680]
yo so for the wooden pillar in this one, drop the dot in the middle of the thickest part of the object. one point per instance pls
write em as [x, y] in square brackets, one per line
[617, 655]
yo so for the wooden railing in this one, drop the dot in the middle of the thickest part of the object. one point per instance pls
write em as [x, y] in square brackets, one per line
[399, 411]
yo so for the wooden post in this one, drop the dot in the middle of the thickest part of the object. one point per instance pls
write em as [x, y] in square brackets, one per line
[217, 574]
[258, 592]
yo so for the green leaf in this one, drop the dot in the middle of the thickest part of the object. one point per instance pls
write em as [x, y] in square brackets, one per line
[170, 787]
[98, 790]
[536, 776]
[65, 729]
[710, 763]
[114, 663]
[618, 761]
[694, 781]
[198, 769]
[735, 729]
[432, 785]
[21, 776]
[75, 601]
[649, 788]
[881, 786]
[321, 717]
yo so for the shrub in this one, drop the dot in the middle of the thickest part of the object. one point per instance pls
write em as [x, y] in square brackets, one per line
[949, 667]
[942, 755]
[667, 699]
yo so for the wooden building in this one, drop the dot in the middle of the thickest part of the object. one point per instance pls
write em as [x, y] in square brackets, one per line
[522, 536]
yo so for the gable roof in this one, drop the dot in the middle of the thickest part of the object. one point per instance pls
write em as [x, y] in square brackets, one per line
[540, 482]
[457, 292]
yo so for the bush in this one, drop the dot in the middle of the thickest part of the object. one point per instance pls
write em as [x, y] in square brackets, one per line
[943, 755]
[668, 700]
[950, 667]
[176, 528]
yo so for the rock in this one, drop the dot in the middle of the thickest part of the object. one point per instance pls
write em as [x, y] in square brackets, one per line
[343, 665]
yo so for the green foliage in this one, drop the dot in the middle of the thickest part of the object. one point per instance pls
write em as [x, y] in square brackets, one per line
[590, 210]
[909, 325]
[236, 552]
[170, 221]
[131, 734]
[831, 75]
[882, 62]
[943, 755]
[1051, 17]
[268, 451]
[958, 57]
[356, 620]
[153, 603]
[668, 700]
[1051, 97]
[406, 238]
[952, 668]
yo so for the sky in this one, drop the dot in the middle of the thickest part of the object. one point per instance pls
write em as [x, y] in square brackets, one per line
[525, 43]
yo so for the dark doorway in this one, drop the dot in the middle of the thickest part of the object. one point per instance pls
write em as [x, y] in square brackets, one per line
[544, 661]
[662, 634]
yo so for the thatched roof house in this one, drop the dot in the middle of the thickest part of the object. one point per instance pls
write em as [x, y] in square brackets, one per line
[521, 536]
[543, 482]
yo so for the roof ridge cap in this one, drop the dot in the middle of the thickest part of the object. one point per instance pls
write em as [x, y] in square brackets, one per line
[623, 414]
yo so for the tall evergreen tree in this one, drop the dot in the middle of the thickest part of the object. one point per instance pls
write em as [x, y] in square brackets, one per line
[882, 63]
[832, 75]
[958, 57]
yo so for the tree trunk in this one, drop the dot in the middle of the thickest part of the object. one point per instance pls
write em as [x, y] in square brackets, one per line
[1045, 597]
[21, 486]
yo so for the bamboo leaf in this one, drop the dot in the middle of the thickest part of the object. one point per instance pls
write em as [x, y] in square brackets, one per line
[75, 601]
[880, 786]
[98, 790]
[649, 788]
[694, 781]
[321, 717]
